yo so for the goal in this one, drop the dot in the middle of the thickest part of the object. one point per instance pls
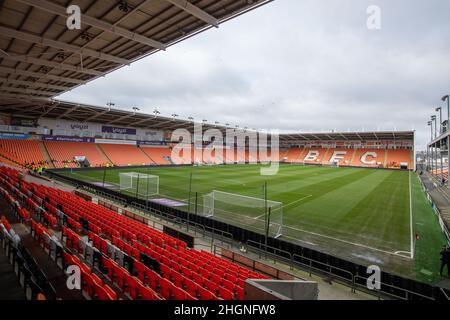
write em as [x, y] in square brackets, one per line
[245, 211]
[334, 164]
[140, 184]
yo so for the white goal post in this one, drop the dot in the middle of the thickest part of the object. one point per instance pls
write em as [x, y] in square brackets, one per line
[139, 184]
[246, 211]
[334, 164]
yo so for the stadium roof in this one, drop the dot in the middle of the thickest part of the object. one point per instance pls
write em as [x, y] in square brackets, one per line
[357, 136]
[36, 108]
[41, 57]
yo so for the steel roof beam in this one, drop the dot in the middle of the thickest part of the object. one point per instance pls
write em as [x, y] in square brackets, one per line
[195, 11]
[21, 90]
[96, 23]
[122, 118]
[8, 32]
[67, 112]
[34, 83]
[52, 64]
[19, 72]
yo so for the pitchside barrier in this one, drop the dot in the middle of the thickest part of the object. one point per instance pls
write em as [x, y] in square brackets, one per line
[444, 228]
[291, 253]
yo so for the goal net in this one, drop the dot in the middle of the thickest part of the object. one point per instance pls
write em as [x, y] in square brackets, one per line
[245, 211]
[334, 164]
[142, 185]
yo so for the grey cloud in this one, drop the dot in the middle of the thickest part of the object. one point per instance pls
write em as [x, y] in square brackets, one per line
[299, 65]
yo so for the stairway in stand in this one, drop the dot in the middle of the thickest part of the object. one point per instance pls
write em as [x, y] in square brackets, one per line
[107, 160]
[46, 154]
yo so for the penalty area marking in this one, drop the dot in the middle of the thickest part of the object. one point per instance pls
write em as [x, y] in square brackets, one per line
[396, 253]
[287, 205]
[405, 254]
[411, 253]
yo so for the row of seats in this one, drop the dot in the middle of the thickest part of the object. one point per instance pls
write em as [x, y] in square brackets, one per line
[179, 266]
[158, 155]
[92, 286]
[28, 153]
[385, 158]
[62, 152]
[25, 153]
[123, 155]
[31, 277]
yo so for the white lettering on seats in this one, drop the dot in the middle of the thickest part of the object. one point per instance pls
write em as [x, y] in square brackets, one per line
[367, 155]
[312, 155]
[337, 156]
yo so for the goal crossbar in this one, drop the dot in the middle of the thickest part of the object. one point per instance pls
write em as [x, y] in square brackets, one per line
[245, 210]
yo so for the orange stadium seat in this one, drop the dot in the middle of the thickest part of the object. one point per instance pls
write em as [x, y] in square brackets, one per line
[313, 155]
[22, 152]
[293, 154]
[66, 151]
[158, 155]
[340, 155]
[369, 158]
[397, 157]
[124, 155]
[184, 274]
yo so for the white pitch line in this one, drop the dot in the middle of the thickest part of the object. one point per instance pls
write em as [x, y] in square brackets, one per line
[349, 242]
[408, 254]
[262, 215]
[411, 218]
[287, 205]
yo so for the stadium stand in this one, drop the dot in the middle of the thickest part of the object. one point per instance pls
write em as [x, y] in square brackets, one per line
[395, 158]
[62, 153]
[124, 154]
[31, 153]
[388, 158]
[340, 155]
[25, 153]
[369, 158]
[294, 154]
[124, 247]
[313, 155]
[158, 155]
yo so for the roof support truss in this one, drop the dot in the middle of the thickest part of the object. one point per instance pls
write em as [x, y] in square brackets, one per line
[20, 97]
[93, 22]
[67, 112]
[122, 118]
[195, 11]
[30, 91]
[33, 83]
[98, 114]
[19, 72]
[7, 32]
[52, 64]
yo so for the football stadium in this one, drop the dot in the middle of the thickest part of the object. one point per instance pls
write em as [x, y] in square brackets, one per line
[107, 203]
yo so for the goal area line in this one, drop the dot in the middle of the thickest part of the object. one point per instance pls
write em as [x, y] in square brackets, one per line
[399, 253]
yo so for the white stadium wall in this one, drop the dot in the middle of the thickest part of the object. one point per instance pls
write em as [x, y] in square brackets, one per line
[64, 127]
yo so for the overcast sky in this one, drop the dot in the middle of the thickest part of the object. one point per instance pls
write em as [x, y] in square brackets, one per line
[299, 66]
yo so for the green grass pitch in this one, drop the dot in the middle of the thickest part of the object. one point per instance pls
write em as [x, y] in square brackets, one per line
[365, 215]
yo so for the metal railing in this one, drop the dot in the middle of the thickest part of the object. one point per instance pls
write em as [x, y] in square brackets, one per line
[407, 293]
[351, 280]
[169, 218]
[294, 261]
